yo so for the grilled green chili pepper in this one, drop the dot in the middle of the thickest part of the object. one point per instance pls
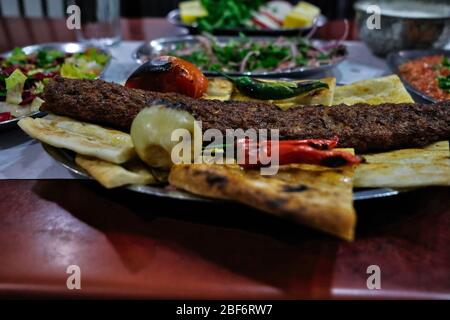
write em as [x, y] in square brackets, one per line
[273, 90]
[444, 83]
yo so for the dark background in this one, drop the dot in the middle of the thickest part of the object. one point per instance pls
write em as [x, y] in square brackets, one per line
[333, 9]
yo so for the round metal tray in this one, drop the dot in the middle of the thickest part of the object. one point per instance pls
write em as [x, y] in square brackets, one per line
[66, 159]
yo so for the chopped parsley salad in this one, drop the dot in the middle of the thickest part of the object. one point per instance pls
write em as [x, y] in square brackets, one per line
[245, 54]
[24, 76]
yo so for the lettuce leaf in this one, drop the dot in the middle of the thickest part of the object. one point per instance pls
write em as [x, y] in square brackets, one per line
[36, 104]
[38, 87]
[14, 87]
[70, 70]
[93, 54]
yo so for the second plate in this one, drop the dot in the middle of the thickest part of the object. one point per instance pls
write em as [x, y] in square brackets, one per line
[148, 50]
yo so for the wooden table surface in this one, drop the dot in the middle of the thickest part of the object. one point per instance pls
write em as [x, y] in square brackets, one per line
[131, 245]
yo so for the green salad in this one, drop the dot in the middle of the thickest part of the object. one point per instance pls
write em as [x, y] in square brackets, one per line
[228, 13]
[24, 76]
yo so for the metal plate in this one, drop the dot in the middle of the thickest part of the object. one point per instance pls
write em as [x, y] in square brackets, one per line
[67, 159]
[66, 47]
[395, 59]
[154, 48]
[174, 18]
[12, 123]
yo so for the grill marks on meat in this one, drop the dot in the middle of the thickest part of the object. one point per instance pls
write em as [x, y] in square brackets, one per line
[363, 127]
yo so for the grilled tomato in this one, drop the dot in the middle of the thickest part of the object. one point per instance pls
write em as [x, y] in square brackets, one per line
[169, 74]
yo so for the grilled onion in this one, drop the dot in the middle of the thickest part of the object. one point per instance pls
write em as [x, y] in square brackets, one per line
[152, 132]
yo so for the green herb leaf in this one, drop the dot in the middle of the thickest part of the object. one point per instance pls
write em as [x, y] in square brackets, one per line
[17, 57]
[47, 57]
[446, 62]
[444, 83]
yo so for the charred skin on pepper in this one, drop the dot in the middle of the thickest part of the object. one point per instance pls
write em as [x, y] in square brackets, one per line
[313, 151]
[274, 90]
[169, 74]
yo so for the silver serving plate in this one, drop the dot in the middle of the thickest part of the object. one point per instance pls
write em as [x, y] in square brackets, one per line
[151, 49]
[67, 159]
[66, 47]
[395, 59]
[174, 18]
[405, 24]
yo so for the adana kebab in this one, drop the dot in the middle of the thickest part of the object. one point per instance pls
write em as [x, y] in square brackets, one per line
[361, 126]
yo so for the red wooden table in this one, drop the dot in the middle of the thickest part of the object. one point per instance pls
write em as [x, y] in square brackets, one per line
[132, 245]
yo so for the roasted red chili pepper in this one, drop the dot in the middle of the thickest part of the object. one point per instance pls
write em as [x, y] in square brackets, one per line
[310, 151]
[4, 116]
[320, 144]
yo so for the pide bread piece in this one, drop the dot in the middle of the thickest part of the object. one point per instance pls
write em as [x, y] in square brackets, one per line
[406, 168]
[387, 89]
[111, 175]
[315, 196]
[83, 138]
[218, 89]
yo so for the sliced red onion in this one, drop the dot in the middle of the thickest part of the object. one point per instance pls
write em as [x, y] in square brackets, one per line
[285, 65]
[245, 60]
[312, 31]
[206, 43]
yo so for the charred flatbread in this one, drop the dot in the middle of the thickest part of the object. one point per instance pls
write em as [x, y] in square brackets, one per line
[315, 196]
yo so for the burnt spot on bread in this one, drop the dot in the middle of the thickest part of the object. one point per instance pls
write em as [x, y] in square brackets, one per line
[295, 188]
[215, 180]
[336, 161]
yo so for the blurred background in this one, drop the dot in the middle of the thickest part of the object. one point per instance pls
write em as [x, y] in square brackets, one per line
[334, 9]
[407, 24]
[25, 22]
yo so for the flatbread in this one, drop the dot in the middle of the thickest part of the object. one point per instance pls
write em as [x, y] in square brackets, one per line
[83, 138]
[320, 97]
[406, 168]
[315, 196]
[373, 91]
[218, 89]
[112, 175]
